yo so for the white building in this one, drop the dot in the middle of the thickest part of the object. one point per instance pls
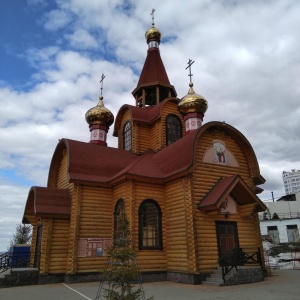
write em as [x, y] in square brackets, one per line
[291, 181]
[281, 220]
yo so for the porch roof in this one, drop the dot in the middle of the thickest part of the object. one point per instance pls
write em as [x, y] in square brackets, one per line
[233, 186]
[51, 202]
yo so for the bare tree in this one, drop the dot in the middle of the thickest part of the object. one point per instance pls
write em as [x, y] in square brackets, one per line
[22, 235]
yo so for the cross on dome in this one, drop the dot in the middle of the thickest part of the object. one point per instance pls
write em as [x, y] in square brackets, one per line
[152, 14]
[190, 62]
[101, 81]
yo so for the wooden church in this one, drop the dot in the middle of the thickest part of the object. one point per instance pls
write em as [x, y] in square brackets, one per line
[188, 189]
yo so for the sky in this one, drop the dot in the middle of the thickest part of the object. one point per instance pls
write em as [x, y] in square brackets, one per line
[53, 53]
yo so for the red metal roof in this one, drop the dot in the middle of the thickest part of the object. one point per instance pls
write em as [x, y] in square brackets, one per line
[94, 163]
[146, 115]
[174, 159]
[48, 201]
[154, 70]
[234, 186]
[101, 165]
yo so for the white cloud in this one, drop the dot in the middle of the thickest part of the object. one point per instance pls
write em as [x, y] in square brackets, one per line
[81, 39]
[56, 19]
[247, 66]
[12, 199]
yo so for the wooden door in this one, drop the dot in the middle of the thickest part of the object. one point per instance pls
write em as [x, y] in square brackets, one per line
[293, 234]
[38, 246]
[227, 238]
[274, 234]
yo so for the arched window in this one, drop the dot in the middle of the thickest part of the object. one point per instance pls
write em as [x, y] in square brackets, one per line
[150, 228]
[119, 209]
[127, 136]
[173, 129]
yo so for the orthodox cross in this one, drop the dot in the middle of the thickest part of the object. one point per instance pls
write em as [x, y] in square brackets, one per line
[152, 14]
[101, 81]
[190, 62]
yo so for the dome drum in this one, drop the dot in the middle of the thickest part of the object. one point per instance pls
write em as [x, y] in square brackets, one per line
[193, 106]
[99, 115]
[153, 34]
[192, 103]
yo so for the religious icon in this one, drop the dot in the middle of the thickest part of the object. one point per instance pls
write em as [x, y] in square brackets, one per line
[220, 152]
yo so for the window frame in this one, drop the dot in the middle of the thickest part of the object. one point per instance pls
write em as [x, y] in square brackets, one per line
[141, 220]
[119, 206]
[127, 136]
[169, 134]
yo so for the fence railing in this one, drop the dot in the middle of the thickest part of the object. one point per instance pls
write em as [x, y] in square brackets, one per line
[279, 216]
[239, 257]
[10, 260]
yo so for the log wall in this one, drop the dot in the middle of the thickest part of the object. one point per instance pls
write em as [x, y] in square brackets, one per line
[141, 138]
[94, 221]
[169, 108]
[181, 248]
[156, 136]
[58, 249]
[149, 136]
[149, 260]
[33, 221]
[62, 181]
[205, 176]
[73, 230]
[125, 191]
[126, 117]
[46, 243]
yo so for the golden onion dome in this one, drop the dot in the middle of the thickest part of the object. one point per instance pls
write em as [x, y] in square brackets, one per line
[99, 115]
[153, 33]
[192, 103]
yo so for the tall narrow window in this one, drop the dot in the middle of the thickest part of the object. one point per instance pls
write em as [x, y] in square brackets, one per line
[119, 209]
[173, 129]
[127, 136]
[150, 228]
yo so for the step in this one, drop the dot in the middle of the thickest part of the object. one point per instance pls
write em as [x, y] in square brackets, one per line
[205, 282]
[7, 272]
[214, 278]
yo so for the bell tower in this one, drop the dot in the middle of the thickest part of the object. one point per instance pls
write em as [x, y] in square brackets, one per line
[154, 85]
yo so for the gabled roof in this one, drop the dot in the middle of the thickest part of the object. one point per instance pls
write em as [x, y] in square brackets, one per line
[93, 163]
[43, 201]
[99, 165]
[103, 165]
[161, 165]
[234, 186]
[146, 115]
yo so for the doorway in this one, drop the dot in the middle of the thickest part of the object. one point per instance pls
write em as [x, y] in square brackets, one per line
[38, 246]
[227, 236]
[274, 234]
[293, 234]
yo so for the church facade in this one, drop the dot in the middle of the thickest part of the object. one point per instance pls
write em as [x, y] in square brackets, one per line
[188, 189]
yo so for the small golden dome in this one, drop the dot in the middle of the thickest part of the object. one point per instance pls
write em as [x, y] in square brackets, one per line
[99, 115]
[192, 103]
[153, 33]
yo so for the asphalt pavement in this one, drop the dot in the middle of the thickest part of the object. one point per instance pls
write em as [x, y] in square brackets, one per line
[281, 285]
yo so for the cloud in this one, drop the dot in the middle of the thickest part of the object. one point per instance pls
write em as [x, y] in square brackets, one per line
[12, 199]
[81, 39]
[56, 19]
[247, 66]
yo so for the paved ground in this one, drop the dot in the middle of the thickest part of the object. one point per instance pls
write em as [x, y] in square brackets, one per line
[282, 285]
